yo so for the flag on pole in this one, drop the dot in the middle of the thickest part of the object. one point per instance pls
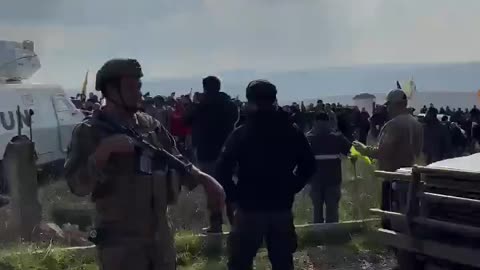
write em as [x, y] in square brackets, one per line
[410, 89]
[84, 86]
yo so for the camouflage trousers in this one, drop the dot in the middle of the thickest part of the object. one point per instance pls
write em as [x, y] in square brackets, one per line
[249, 232]
[152, 256]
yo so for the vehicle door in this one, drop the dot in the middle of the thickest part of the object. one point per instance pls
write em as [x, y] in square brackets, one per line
[64, 111]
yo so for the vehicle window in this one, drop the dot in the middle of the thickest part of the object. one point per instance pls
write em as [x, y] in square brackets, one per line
[61, 105]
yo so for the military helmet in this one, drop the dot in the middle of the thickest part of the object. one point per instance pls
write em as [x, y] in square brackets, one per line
[115, 69]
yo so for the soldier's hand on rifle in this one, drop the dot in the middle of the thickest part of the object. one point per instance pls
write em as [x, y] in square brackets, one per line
[118, 143]
[213, 189]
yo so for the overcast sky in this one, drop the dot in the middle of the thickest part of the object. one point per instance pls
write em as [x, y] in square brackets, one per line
[184, 38]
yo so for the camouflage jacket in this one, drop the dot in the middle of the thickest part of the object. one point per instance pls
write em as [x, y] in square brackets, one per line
[400, 143]
[125, 201]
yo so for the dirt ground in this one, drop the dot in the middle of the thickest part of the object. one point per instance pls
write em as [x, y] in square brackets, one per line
[341, 258]
[334, 258]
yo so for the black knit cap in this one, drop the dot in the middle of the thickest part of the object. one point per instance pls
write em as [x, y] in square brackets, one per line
[261, 91]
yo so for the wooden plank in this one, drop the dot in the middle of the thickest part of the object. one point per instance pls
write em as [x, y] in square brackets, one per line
[455, 254]
[398, 221]
[452, 183]
[387, 213]
[471, 176]
[440, 198]
[393, 176]
[432, 223]
[412, 199]
[448, 226]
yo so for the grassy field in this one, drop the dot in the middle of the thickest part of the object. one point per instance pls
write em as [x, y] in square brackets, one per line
[360, 253]
[360, 192]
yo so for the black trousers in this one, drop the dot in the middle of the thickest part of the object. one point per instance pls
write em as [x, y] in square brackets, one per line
[251, 229]
[328, 196]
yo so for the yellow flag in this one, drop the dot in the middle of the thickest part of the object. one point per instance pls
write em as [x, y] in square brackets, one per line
[410, 89]
[355, 154]
[84, 86]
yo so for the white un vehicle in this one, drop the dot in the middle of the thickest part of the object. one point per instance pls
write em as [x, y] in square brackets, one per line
[54, 114]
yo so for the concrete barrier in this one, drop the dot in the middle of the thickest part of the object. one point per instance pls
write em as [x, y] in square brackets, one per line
[213, 244]
[20, 171]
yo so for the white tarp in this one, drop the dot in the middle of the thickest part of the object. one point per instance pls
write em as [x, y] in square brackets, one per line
[469, 163]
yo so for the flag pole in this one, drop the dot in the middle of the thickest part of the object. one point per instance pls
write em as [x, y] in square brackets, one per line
[84, 86]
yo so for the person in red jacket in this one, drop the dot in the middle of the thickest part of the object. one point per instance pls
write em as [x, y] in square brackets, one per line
[179, 130]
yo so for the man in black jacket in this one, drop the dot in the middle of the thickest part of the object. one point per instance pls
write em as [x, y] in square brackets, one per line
[328, 147]
[274, 162]
[212, 120]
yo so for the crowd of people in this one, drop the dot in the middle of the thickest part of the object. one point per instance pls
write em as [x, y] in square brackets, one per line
[448, 133]
[260, 154]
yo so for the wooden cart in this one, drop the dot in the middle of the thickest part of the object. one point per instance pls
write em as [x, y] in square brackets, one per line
[431, 216]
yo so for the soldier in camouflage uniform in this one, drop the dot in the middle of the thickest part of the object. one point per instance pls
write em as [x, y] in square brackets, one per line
[400, 140]
[131, 197]
[400, 146]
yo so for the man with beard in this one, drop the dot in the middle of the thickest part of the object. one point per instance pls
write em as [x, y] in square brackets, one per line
[400, 140]
[211, 120]
[274, 162]
[400, 145]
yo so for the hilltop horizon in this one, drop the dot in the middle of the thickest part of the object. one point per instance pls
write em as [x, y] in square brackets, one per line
[444, 84]
[336, 81]
[333, 82]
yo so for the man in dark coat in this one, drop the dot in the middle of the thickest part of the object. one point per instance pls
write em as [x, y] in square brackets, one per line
[274, 162]
[211, 120]
[328, 147]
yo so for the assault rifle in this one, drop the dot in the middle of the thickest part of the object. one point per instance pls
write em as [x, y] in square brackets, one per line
[172, 161]
[101, 235]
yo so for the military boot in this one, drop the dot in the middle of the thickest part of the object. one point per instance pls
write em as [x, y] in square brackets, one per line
[216, 222]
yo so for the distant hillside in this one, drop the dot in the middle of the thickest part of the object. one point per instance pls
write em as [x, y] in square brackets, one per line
[317, 83]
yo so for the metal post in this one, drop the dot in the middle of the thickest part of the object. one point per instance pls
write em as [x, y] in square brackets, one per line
[30, 114]
[19, 121]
